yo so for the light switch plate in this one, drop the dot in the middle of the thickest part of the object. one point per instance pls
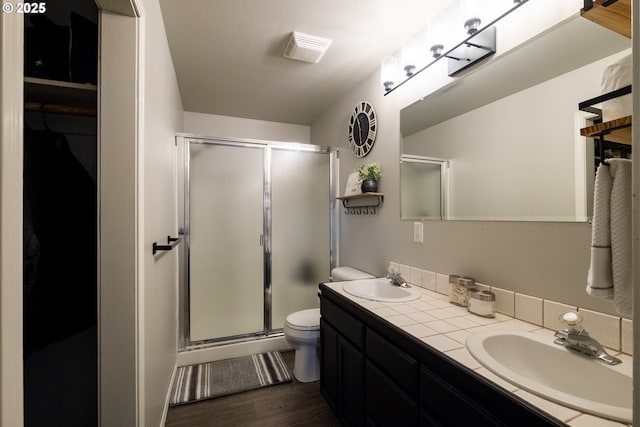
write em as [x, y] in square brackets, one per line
[417, 232]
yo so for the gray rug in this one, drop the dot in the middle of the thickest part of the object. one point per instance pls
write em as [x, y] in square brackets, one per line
[209, 380]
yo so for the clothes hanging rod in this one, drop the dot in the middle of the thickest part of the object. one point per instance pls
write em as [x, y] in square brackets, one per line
[68, 110]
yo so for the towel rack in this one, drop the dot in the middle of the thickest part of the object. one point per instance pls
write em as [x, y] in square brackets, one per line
[172, 242]
[614, 131]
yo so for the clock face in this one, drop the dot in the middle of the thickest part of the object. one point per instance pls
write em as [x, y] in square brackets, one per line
[362, 129]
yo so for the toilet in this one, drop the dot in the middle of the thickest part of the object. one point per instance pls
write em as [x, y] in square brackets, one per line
[302, 331]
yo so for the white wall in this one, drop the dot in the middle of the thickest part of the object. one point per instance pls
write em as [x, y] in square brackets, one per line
[541, 259]
[118, 239]
[162, 119]
[235, 127]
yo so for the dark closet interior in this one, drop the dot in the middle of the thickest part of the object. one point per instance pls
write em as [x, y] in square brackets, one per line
[60, 216]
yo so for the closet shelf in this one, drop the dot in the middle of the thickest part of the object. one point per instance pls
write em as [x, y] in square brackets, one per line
[366, 208]
[614, 15]
[58, 92]
[60, 109]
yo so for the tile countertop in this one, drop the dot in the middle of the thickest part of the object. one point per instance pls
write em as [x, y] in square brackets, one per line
[445, 327]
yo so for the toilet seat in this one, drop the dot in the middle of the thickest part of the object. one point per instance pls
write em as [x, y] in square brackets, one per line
[304, 320]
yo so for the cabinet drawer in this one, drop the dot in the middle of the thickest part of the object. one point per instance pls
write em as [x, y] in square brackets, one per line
[446, 405]
[386, 403]
[345, 324]
[397, 365]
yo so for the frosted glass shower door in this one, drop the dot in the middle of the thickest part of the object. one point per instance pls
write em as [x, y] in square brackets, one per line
[301, 235]
[226, 262]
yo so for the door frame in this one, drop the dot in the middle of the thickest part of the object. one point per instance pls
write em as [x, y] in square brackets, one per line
[11, 159]
[121, 394]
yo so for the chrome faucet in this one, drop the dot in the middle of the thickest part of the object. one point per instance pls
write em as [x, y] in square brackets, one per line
[397, 279]
[576, 338]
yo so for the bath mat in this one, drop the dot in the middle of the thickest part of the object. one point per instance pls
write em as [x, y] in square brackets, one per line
[223, 377]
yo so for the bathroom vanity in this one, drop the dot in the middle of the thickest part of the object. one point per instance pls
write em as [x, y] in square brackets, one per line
[374, 373]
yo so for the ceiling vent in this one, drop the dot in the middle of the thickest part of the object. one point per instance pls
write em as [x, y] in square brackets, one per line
[306, 48]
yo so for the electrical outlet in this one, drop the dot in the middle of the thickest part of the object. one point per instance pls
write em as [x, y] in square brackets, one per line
[417, 232]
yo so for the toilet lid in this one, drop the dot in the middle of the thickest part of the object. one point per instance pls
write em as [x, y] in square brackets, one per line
[305, 319]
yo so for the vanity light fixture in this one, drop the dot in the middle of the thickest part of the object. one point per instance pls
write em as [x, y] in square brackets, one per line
[479, 43]
[388, 72]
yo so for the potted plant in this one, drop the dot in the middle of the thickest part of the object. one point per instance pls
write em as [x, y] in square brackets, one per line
[370, 174]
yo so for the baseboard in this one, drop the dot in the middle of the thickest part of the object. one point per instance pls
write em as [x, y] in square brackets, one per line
[228, 351]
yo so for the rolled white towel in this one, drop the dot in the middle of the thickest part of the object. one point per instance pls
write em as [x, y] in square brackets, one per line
[600, 276]
[620, 170]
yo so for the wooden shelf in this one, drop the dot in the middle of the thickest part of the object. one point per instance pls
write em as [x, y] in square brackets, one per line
[616, 16]
[618, 130]
[367, 208]
[60, 109]
[360, 196]
[58, 92]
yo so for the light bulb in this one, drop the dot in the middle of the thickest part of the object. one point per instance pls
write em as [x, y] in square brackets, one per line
[435, 40]
[388, 71]
[410, 57]
[470, 13]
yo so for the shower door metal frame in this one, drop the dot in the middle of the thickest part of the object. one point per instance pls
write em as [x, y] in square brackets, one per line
[183, 142]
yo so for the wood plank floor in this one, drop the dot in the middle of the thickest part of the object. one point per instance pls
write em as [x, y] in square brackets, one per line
[291, 404]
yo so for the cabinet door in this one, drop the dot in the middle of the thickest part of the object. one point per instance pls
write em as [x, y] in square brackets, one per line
[329, 364]
[427, 421]
[448, 406]
[387, 404]
[351, 384]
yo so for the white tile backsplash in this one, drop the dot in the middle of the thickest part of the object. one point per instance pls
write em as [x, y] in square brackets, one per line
[626, 336]
[415, 276]
[505, 301]
[429, 280]
[613, 332]
[442, 284]
[552, 312]
[528, 308]
[603, 327]
[405, 271]
[482, 287]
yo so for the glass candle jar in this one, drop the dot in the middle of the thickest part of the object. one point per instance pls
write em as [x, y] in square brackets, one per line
[482, 303]
[459, 288]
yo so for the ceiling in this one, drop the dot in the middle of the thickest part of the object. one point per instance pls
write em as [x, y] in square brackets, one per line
[228, 53]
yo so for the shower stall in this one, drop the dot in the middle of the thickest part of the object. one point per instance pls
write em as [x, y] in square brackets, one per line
[257, 225]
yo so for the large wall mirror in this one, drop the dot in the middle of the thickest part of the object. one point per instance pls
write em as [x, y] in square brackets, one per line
[508, 132]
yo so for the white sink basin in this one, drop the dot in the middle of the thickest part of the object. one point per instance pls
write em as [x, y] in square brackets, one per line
[380, 289]
[534, 363]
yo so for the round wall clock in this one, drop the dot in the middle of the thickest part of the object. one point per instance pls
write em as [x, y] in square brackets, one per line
[362, 129]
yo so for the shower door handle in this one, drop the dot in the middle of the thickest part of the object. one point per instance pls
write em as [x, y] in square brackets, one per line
[262, 240]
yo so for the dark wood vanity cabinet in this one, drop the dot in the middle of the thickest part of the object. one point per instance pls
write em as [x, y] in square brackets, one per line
[375, 374]
[342, 365]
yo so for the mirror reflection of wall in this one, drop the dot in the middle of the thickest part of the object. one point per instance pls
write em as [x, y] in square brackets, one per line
[424, 187]
[517, 156]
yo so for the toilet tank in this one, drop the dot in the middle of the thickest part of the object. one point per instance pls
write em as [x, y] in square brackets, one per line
[340, 274]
